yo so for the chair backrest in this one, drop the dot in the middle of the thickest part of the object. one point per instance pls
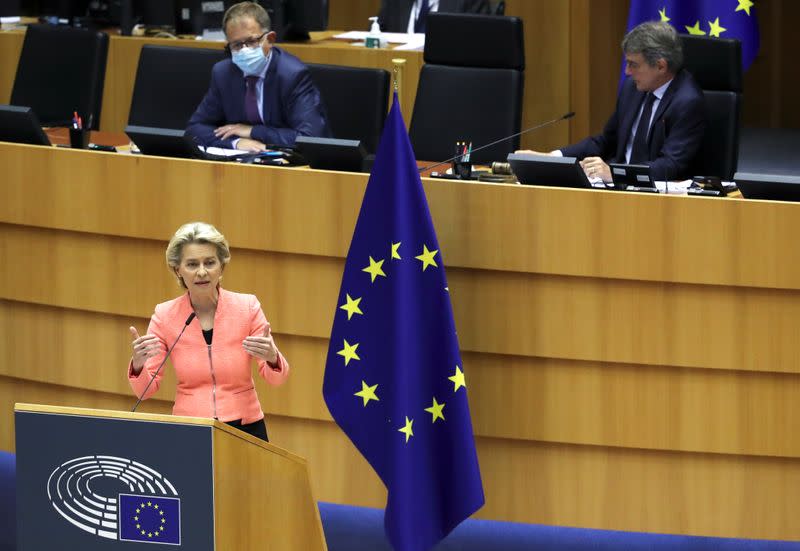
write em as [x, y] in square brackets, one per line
[469, 92]
[61, 70]
[716, 65]
[170, 83]
[719, 154]
[471, 40]
[356, 100]
[8, 500]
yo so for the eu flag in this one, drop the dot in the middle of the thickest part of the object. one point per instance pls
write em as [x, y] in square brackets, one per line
[394, 381]
[153, 519]
[719, 18]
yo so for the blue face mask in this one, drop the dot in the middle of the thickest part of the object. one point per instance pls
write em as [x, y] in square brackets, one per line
[250, 60]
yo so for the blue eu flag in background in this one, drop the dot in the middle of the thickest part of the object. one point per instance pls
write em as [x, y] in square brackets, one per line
[394, 381]
[719, 18]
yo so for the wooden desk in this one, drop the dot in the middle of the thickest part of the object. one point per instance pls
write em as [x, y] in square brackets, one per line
[123, 59]
[632, 360]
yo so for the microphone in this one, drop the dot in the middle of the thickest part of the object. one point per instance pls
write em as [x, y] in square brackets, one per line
[153, 378]
[548, 123]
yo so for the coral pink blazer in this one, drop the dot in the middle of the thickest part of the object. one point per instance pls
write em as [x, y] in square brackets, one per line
[214, 381]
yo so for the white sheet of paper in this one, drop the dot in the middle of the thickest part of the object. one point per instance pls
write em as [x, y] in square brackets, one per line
[393, 38]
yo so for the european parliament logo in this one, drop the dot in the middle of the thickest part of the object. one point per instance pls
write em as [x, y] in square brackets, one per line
[150, 510]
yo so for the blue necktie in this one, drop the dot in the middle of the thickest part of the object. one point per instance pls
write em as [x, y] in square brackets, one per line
[251, 101]
[640, 152]
[424, 8]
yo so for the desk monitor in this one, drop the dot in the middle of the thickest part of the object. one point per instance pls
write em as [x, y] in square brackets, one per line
[197, 16]
[293, 19]
[332, 154]
[547, 170]
[631, 175]
[163, 141]
[10, 8]
[20, 125]
[774, 187]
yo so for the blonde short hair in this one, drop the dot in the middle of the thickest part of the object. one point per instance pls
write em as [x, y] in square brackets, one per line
[196, 232]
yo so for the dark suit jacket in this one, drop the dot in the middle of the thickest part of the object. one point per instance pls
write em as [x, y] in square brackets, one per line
[394, 14]
[292, 104]
[676, 133]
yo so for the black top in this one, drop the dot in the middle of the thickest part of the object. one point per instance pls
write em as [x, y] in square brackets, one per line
[208, 335]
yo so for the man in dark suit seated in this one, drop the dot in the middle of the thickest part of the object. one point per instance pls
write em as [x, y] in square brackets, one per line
[262, 95]
[408, 16]
[660, 116]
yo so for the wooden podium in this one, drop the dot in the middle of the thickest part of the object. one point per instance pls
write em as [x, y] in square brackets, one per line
[96, 479]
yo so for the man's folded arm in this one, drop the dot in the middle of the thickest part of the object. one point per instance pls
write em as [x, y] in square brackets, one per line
[304, 114]
[208, 116]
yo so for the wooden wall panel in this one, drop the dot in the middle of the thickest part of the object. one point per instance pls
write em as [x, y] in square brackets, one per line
[574, 318]
[619, 378]
[528, 481]
[574, 232]
[555, 400]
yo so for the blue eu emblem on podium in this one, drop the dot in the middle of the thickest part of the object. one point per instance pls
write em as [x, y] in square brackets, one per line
[151, 519]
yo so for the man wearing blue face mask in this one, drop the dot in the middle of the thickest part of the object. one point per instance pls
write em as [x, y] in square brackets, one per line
[262, 95]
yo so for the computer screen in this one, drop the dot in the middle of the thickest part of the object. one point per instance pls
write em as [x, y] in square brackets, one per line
[10, 8]
[332, 154]
[200, 17]
[773, 187]
[293, 19]
[20, 125]
[545, 170]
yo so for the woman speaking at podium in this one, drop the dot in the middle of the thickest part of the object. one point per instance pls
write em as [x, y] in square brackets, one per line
[223, 332]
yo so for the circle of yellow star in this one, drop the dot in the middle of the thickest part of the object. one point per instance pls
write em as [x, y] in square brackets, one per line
[436, 410]
[427, 258]
[407, 429]
[349, 352]
[351, 307]
[458, 379]
[374, 269]
[695, 29]
[395, 251]
[367, 393]
[715, 29]
[744, 5]
[663, 14]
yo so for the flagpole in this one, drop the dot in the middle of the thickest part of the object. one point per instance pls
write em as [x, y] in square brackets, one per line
[398, 66]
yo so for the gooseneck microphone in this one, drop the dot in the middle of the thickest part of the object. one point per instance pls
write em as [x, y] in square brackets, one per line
[153, 378]
[548, 123]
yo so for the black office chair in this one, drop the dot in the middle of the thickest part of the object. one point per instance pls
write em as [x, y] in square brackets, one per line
[61, 70]
[469, 91]
[716, 65]
[170, 83]
[355, 99]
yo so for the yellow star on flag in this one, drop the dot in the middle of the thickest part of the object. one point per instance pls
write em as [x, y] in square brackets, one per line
[436, 410]
[427, 257]
[367, 393]
[374, 269]
[395, 249]
[745, 5]
[351, 307]
[407, 429]
[696, 30]
[663, 14]
[715, 29]
[458, 379]
[349, 352]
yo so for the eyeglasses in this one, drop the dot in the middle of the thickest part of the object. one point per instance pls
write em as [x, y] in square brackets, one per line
[249, 42]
